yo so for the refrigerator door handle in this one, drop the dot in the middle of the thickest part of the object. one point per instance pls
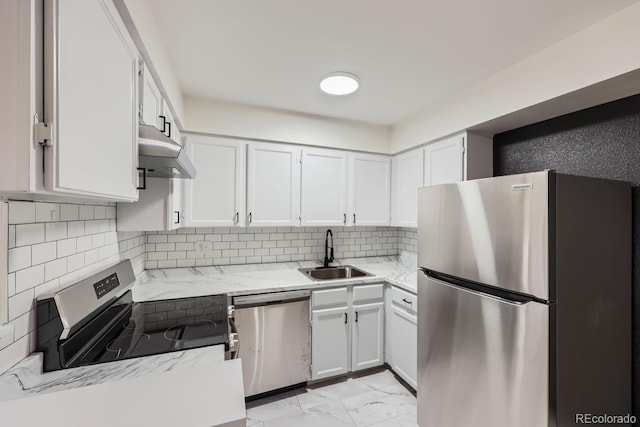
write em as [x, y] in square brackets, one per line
[482, 290]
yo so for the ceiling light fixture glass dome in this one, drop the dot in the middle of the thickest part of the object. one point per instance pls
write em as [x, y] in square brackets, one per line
[339, 83]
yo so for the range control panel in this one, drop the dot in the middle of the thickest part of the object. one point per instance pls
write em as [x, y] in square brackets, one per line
[106, 285]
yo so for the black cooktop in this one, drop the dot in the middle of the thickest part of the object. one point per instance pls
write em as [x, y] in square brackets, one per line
[129, 329]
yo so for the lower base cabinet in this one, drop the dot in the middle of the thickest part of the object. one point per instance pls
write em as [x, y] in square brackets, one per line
[347, 330]
[404, 335]
[329, 342]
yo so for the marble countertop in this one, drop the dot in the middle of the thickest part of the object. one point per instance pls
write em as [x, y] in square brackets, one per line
[27, 379]
[180, 397]
[261, 278]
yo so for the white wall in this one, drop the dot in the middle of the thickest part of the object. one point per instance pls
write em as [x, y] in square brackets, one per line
[223, 118]
[600, 52]
[154, 53]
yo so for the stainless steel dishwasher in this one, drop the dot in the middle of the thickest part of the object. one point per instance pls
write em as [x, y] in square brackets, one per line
[273, 335]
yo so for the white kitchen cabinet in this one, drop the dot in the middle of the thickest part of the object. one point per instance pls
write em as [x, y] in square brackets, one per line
[369, 189]
[330, 342]
[215, 197]
[171, 127]
[457, 158]
[73, 64]
[367, 336]
[273, 184]
[91, 98]
[404, 335]
[151, 101]
[159, 207]
[407, 177]
[347, 329]
[323, 187]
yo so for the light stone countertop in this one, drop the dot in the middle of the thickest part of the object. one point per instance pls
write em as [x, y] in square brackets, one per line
[27, 379]
[262, 278]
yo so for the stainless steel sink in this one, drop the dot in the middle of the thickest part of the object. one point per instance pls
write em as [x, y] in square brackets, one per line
[333, 273]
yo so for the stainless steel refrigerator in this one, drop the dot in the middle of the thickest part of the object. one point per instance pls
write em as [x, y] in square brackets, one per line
[524, 301]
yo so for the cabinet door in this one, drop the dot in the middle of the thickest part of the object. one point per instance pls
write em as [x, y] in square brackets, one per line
[151, 101]
[171, 128]
[407, 177]
[273, 187]
[176, 218]
[404, 328]
[330, 342]
[444, 161]
[367, 336]
[370, 189]
[324, 187]
[215, 196]
[91, 98]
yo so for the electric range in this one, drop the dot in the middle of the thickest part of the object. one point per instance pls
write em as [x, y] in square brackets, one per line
[96, 321]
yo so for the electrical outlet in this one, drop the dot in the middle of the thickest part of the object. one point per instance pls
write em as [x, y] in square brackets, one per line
[203, 247]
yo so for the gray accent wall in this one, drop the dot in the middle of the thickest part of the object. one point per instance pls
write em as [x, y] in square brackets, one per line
[601, 142]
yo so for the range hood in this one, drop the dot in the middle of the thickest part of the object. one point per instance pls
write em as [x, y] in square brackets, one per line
[161, 157]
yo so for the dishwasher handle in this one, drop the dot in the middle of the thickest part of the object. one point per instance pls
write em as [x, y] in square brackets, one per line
[270, 298]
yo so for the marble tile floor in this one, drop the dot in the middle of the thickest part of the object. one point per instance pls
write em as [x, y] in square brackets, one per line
[375, 399]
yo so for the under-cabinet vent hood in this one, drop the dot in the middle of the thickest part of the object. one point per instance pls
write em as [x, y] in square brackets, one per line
[161, 156]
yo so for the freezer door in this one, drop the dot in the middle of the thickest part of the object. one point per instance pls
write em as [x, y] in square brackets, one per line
[493, 231]
[482, 361]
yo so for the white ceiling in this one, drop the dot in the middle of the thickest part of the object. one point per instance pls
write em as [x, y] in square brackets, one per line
[408, 54]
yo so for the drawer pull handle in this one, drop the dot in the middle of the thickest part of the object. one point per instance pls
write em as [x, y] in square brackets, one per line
[356, 316]
[408, 302]
[346, 317]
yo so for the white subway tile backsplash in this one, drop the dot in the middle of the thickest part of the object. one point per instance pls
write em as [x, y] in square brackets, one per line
[69, 212]
[66, 247]
[19, 258]
[86, 212]
[12, 236]
[51, 247]
[29, 234]
[22, 212]
[99, 212]
[47, 212]
[75, 228]
[43, 252]
[54, 269]
[11, 284]
[56, 231]
[20, 304]
[275, 244]
[84, 243]
[29, 278]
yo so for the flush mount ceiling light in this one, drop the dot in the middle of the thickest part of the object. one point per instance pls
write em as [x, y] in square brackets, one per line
[339, 84]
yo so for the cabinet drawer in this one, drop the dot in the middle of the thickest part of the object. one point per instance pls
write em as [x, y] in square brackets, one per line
[329, 297]
[368, 293]
[404, 299]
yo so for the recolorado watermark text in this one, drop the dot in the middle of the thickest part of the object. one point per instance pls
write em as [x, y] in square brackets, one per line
[605, 419]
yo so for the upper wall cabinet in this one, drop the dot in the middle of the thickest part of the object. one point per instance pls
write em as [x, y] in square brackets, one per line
[91, 73]
[72, 65]
[159, 207]
[273, 184]
[170, 127]
[408, 176]
[215, 197]
[369, 189]
[151, 101]
[323, 187]
[457, 158]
